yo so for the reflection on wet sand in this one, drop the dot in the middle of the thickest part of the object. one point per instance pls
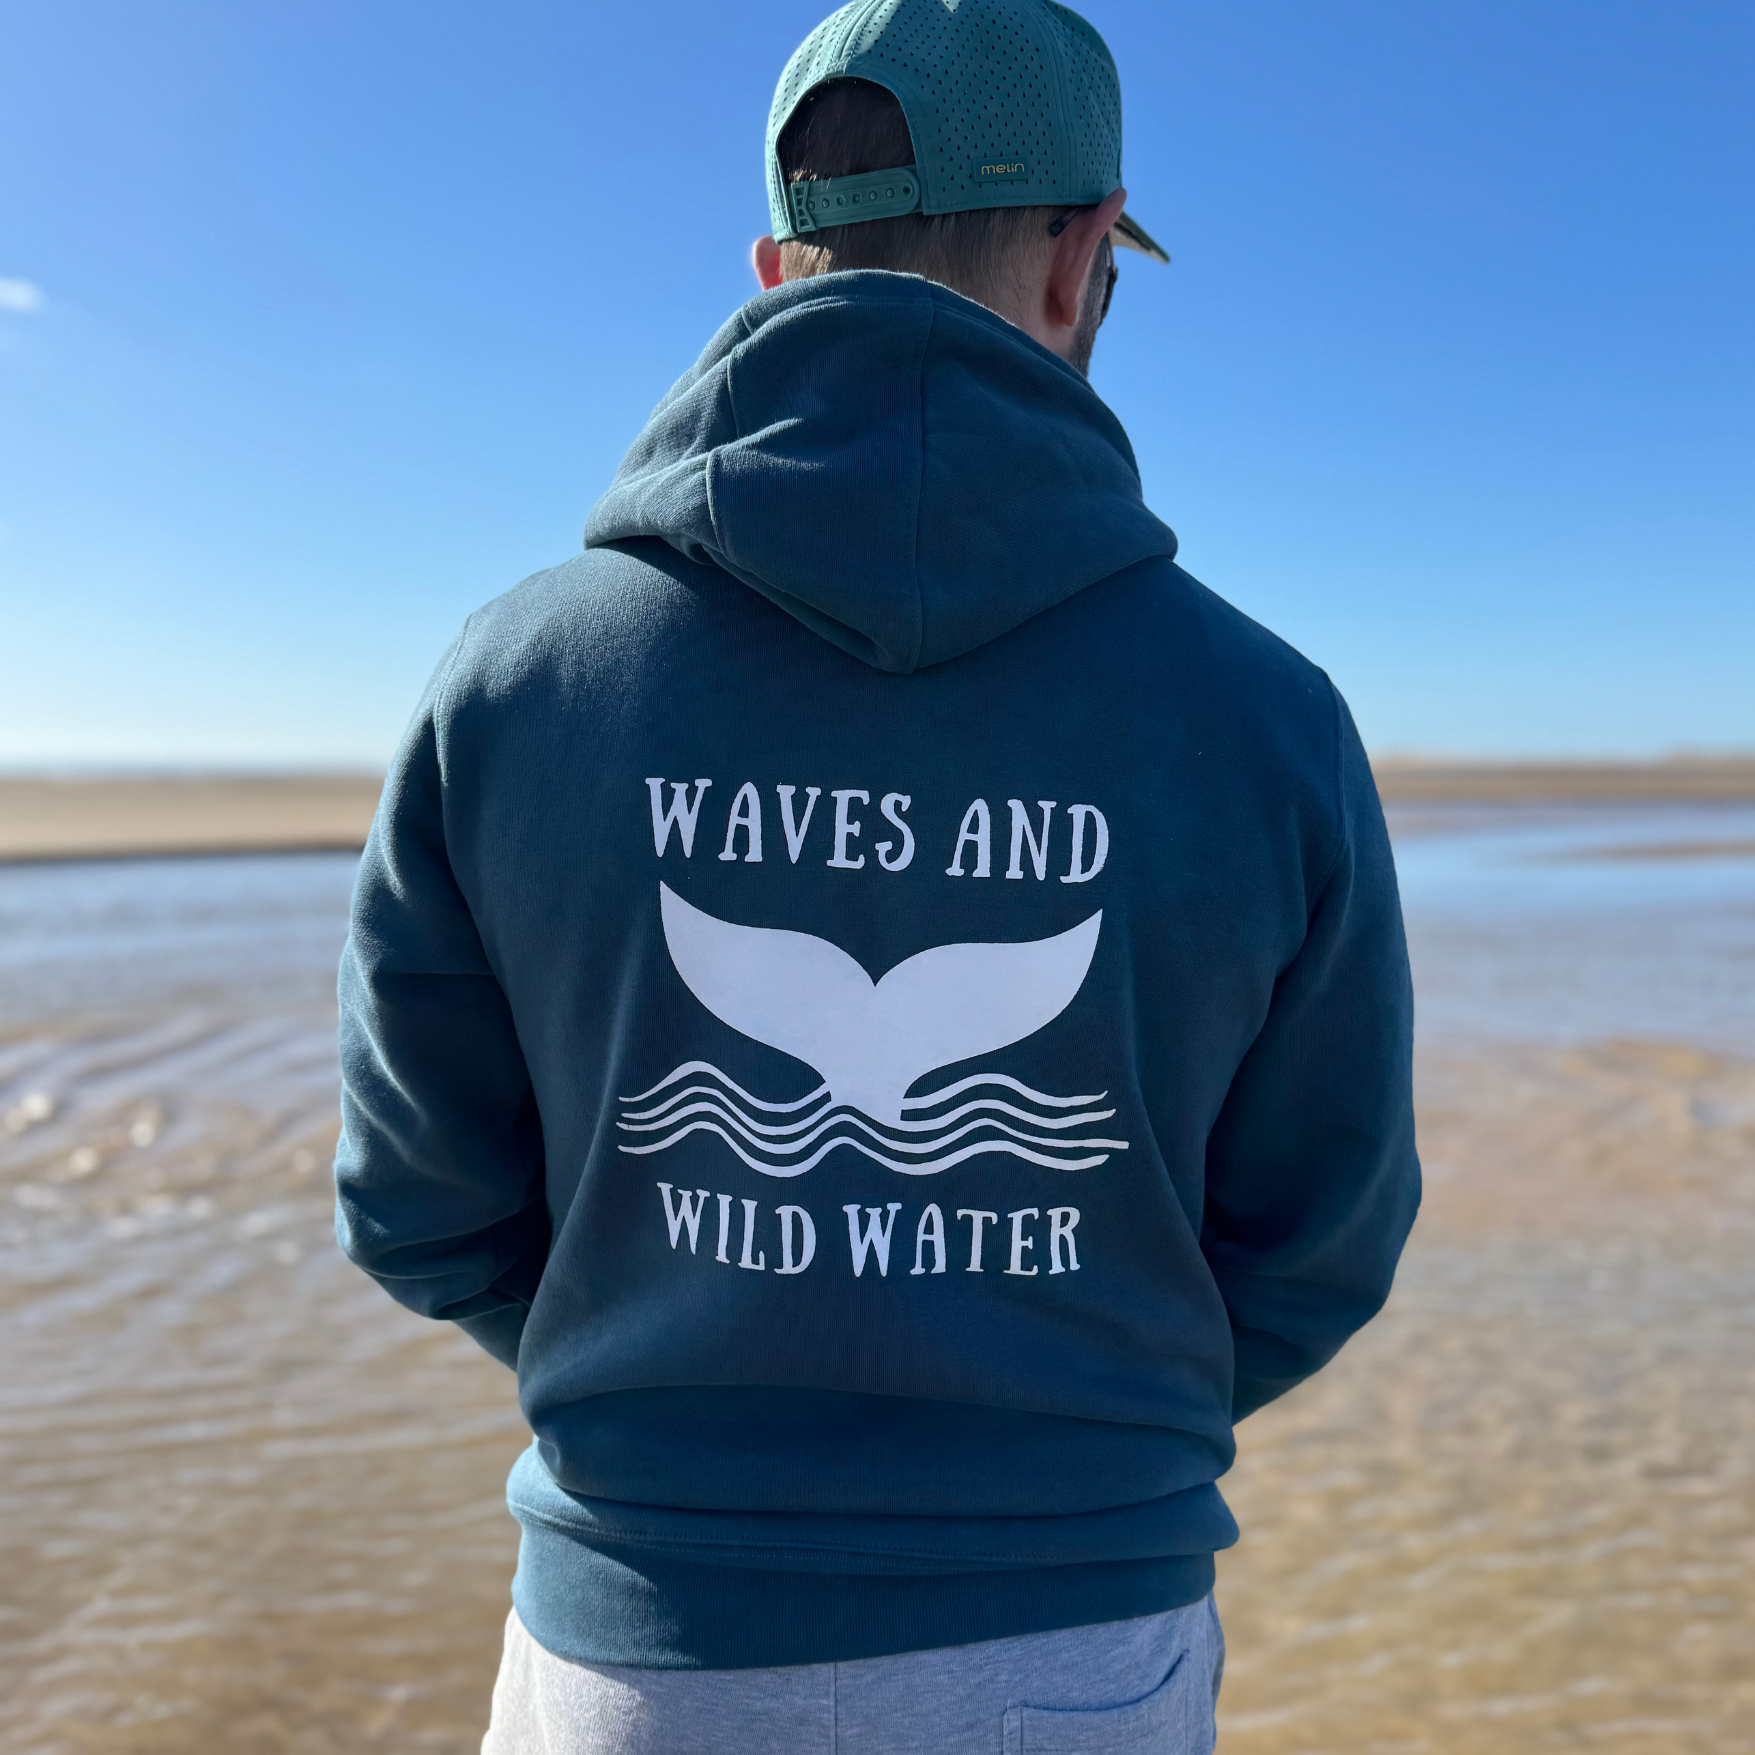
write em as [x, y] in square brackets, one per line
[247, 1503]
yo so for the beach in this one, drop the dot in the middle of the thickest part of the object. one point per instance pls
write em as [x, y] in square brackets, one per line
[161, 815]
[120, 816]
[246, 1502]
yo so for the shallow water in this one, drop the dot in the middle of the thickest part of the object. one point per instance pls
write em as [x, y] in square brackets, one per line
[247, 1503]
[1557, 926]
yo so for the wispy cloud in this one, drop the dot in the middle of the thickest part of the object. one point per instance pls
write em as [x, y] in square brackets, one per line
[23, 296]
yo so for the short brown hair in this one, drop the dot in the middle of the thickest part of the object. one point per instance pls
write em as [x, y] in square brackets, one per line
[848, 126]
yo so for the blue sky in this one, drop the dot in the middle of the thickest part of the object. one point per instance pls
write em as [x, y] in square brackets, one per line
[320, 325]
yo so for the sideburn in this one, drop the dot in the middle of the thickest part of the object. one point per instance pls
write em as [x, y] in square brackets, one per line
[1091, 313]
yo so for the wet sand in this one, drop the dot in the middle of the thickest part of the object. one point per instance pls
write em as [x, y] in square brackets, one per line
[1518, 1512]
[247, 1503]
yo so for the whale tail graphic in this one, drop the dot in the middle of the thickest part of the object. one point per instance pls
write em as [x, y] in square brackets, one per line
[872, 1040]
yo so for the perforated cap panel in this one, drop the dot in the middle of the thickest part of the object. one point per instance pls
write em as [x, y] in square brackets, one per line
[1093, 100]
[1011, 103]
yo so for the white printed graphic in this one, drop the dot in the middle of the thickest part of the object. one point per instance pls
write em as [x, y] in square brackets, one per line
[870, 1041]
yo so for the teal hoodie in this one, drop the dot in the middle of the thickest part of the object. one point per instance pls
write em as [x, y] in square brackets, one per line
[886, 1001]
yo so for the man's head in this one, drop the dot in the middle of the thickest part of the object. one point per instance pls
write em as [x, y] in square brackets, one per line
[1047, 270]
[977, 144]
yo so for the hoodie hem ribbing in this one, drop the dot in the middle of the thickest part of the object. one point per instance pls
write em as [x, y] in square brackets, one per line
[628, 1606]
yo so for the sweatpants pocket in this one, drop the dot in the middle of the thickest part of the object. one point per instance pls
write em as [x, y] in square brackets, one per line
[1176, 1718]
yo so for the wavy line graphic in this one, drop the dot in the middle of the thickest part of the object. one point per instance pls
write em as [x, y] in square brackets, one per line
[698, 1098]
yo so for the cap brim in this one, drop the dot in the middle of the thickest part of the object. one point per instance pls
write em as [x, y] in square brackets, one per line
[1133, 236]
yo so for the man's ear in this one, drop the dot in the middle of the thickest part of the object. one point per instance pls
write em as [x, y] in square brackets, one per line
[765, 259]
[1070, 271]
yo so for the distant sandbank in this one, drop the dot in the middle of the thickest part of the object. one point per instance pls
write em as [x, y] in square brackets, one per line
[1697, 778]
[112, 817]
[165, 815]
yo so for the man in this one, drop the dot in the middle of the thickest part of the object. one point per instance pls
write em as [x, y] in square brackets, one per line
[878, 994]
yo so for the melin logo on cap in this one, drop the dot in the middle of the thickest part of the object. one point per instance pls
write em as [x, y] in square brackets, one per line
[1002, 170]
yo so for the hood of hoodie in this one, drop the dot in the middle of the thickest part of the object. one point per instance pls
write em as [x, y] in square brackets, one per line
[905, 472]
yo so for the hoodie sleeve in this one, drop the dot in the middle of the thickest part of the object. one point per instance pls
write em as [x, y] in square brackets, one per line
[439, 1171]
[1312, 1178]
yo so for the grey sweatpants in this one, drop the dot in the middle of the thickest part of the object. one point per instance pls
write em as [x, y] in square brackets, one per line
[1139, 1687]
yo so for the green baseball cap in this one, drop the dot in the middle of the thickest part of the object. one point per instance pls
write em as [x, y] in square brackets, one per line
[1010, 103]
